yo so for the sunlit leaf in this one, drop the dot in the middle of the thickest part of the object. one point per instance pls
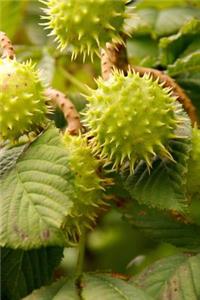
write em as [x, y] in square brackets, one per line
[35, 195]
[175, 277]
[90, 287]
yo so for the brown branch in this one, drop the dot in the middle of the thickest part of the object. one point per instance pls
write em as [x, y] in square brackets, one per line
[68, 109]
[114, 56]
[6, 45]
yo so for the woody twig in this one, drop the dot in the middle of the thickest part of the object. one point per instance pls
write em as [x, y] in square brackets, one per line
[7, 47]
[68, 109]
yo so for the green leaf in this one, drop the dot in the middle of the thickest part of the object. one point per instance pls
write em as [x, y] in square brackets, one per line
[170, 20]
[36, 195]
[160, 23]
[90, 287]
[194, 212]
[102, 286]
[192, 48]
[175, 277]
[47, 67]
[190, 63]
[25, 271]
[145, 21]
[191, 84]
[11, 16]
[166, 4]
[172, 47]
[63, 289]
[142, 51]
[164, 186]
[9, 157]
[161, 226]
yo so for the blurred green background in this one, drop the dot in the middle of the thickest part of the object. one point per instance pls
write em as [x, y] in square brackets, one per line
[113, 245]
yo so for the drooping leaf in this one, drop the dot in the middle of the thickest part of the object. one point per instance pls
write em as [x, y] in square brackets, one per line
[35, 195]
[164, 185]
[24, 271]
[175, 277]
[172, 47]
[162, 226]
[90, 287]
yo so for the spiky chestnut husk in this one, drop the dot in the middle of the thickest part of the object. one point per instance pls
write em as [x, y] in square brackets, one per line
[131, 118]
[87, 25]
[87, 186]
[22, 100]
[193, 176]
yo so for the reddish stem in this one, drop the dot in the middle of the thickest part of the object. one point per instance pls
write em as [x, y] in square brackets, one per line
[113, 56]
[68, 109]
[6, 45]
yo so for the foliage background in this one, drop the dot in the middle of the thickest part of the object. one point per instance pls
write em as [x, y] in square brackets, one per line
[158, 41]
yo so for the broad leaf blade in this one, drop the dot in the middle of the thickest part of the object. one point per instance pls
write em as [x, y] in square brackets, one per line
[159, 23]
[102, 286]
[173, 46]
[175, 277]
[164, 186]
[142, 51]
[24, 271]
[47, 67]
[170, 20]
[90, 287]
[191, 83]
[161, 226]
[190, 63]
[36, 195]
[11, 16]
[9, 157]
[63, 289]
[167, 4]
